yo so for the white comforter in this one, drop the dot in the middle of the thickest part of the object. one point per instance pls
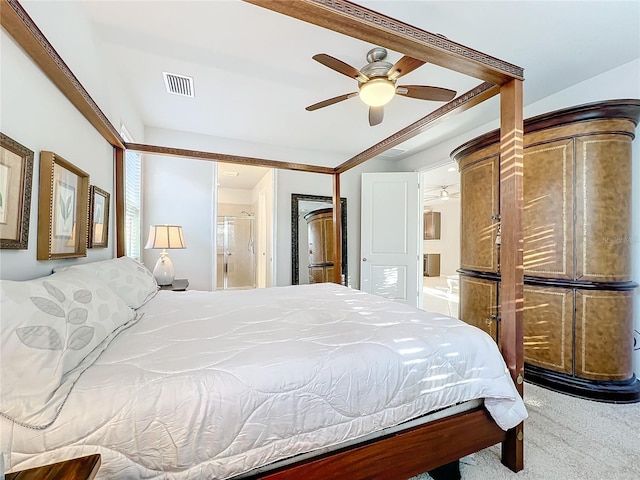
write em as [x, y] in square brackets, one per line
[210, 385]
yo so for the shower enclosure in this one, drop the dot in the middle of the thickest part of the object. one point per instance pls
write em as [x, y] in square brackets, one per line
[236, 251]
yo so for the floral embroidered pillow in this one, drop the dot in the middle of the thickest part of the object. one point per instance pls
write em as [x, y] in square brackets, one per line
[52, 328]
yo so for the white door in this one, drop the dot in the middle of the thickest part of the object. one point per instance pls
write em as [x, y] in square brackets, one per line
[391, 233]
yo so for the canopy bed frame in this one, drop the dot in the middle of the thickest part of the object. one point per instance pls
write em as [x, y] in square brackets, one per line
[423, 448]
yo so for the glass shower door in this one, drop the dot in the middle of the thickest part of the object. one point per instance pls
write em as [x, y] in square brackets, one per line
[236, 253]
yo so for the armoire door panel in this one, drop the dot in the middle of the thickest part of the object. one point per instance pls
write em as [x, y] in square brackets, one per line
[548, 328]
[327, 232]
[479, 203]
[480, 306]
[316, 245]
[548, 210]
[320, 228]
[603, 220]
[603, 345]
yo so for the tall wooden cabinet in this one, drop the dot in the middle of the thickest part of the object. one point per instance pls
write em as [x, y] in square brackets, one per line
[320, 228]
[578, 292]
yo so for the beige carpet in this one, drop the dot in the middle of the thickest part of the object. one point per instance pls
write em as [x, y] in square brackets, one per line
[567, 438]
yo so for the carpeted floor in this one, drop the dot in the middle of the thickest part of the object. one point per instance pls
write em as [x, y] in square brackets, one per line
[567, 438]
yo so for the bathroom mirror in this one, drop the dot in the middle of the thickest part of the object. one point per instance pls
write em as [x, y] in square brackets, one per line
[301, 205]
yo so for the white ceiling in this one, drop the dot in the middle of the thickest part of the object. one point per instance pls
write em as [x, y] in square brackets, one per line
[253, 72]
[436, 179]
[243, 177]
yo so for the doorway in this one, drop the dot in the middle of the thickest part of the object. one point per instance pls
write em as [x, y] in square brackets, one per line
[244, 227]
[441, 243]
[236, 251]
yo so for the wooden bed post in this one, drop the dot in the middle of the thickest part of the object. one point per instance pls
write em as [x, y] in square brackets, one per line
[119, 189]
[511, 248]
[337, 231]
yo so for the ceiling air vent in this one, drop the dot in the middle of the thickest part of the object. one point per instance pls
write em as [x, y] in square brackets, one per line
[393, 152]
[178, 84]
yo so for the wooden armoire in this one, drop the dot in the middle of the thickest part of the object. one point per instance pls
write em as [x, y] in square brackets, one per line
[320, 229]
[578, 290]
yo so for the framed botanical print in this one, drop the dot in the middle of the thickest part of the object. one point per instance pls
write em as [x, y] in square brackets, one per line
[98, 217]
[63, 211]
[16, 177]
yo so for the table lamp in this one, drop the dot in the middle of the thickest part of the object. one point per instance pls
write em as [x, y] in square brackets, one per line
[165, 237]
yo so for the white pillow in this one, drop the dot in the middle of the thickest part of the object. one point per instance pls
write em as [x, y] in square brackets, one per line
[131, 280]
[53, 328]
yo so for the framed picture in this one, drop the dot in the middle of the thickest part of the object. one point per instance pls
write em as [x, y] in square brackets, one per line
[98, 217]
[63, 209]
[16, 177]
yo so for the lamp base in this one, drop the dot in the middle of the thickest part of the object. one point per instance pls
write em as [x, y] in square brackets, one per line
[163, 271]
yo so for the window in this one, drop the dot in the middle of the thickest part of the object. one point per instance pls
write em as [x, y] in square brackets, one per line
[132, 201]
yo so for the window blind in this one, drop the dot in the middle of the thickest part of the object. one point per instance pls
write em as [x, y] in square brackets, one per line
[132, 202]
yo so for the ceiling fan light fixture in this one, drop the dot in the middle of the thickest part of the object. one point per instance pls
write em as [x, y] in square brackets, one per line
[377, 92]
[444, 195]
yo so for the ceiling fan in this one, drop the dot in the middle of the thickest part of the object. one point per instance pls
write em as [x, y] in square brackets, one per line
[377, 82]
[443, 194]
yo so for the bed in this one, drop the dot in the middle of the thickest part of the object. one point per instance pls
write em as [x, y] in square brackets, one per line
[413, 448]
[227, 384]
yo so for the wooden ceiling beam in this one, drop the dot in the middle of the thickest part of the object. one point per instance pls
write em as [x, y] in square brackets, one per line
[17, 22]
[367, 25]
[464, 102]
[224, 158]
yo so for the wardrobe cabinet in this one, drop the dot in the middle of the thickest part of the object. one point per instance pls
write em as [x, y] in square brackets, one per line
[578, 291]
[320, 229]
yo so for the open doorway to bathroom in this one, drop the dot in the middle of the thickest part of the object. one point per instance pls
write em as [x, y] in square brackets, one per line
[243, 235]
[441, 247]
[236, 251]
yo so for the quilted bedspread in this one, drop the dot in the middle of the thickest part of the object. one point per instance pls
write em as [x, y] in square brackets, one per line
[213, 384]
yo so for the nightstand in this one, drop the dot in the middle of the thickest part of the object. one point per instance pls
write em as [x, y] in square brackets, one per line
[178, 285]
[83, 468]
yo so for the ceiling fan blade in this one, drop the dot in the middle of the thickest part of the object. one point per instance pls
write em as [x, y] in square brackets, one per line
[403, 66]
[426, 93]
[330, 101]
[340, 67]
[376, 114]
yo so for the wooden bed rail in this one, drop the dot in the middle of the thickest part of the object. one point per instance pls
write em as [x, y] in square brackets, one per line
[401, 455]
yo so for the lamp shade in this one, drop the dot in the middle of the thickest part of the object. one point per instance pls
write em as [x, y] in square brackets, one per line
[165, 236]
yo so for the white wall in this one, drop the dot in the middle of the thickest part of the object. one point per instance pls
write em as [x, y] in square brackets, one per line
[37, 115]
[179, 191]
[72, 35]
[619, 83]
[235, 196]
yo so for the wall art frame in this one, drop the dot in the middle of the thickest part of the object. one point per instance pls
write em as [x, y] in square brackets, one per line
[98, 217]
[16, 179]
[63, 209]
